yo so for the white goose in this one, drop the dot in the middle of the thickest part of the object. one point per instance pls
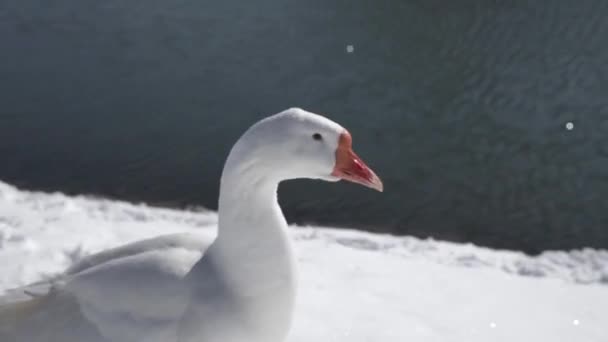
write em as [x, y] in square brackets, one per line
[186, 288]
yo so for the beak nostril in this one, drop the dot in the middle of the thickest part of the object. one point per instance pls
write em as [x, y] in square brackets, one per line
[358, 165]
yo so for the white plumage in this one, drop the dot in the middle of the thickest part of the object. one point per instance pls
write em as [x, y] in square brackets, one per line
[237, 287]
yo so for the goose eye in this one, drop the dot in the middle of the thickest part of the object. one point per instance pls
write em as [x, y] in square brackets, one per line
[317, 136]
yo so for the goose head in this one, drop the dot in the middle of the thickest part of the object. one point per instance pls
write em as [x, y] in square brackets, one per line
[300, 144]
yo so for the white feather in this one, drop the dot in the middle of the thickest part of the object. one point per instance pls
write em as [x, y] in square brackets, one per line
[191, 288]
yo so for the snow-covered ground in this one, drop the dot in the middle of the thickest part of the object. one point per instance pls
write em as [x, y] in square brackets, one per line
[354, 286]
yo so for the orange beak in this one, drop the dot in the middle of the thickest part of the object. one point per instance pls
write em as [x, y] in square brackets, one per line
[351, 168]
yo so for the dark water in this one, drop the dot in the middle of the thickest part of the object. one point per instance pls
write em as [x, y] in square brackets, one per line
[460, 106]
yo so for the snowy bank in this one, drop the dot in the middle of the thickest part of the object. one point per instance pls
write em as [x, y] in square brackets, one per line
[354, 286]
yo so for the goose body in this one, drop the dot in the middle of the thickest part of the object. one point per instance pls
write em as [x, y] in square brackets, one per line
[237, 286]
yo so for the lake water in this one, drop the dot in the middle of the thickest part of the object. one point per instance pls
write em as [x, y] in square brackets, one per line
[487, 120]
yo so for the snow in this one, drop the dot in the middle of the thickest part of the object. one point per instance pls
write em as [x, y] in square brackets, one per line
[354, 286]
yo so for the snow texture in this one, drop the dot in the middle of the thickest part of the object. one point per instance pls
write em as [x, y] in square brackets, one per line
[354, 286]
